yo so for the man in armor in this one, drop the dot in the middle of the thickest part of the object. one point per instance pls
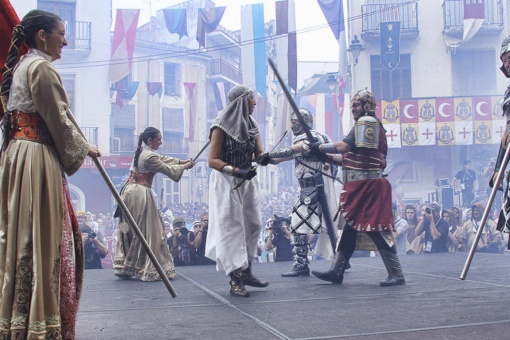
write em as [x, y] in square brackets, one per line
[504, 220]
[365, 201]
[307, 218]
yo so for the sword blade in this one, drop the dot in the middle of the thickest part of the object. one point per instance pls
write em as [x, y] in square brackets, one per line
[201, 150]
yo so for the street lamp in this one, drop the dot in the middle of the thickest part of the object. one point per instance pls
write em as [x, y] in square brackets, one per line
[355, 49]
[331, 81]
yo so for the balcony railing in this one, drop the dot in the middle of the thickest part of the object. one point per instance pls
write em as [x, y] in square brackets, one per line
[79, 35]
[122, 145]
[91, 134]
[220, 67]
[373, 14]
[453, 15]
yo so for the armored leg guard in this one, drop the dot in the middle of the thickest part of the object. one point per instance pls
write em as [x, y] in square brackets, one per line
[392, 263]
[336, 273]
[237, 287]
[300, 250]
[250, 280]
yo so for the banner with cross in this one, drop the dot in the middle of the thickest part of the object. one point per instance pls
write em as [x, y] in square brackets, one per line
[442, 121]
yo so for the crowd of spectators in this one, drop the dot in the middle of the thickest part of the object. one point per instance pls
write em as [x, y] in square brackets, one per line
[442, 229]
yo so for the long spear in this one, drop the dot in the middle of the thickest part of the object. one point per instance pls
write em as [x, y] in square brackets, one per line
[486, 212]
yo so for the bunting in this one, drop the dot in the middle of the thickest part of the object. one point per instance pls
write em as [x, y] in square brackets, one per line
[286, 45]
[253, 47]
[208, 20]
[123, 43]
[176, 21]
[155, 87]
[190, 88]
[334, 13]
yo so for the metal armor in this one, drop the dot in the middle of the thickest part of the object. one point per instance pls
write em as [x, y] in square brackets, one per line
[366, 132]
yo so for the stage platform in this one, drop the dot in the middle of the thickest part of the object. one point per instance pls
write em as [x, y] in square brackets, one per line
[434, 304]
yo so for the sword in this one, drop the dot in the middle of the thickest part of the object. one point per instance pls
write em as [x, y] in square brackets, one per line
[486, 213]
[256, 166]
[322, 196]
[201, 150]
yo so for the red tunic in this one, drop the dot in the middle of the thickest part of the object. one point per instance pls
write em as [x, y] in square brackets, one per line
[366, 204]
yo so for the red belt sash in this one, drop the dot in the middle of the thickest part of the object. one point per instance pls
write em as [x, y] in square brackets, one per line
[142, 178]
[29, 126]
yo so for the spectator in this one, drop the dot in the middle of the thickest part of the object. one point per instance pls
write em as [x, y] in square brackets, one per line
[280, 237]
[401, 227]
[181, 244]
[415, 243]
[490, 240]
[454, 234]
[200, 241]
[93, 248]
[435, 229]
[468, 183]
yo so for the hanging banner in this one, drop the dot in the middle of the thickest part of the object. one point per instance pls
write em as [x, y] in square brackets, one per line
[390, 44]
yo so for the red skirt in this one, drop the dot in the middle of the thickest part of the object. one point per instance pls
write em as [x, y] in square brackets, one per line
[366, 205]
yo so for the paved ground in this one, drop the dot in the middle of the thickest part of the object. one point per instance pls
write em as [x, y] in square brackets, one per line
[434, 304]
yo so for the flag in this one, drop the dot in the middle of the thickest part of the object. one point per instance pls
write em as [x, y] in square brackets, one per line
[190, 87]
[155, 87]
[253, 47]
[334, 13]
[208, 20]
[390, 44]
[282, 116]
[123, 44]
[286, 42]
[473, 18]
[220, 96]
[176, 21]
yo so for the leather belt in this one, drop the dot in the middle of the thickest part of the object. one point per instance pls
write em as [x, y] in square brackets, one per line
[350, 175]
[29, 126]
[142, 178]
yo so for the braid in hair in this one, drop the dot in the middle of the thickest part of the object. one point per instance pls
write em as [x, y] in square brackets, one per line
[149, 132]
[26, 32]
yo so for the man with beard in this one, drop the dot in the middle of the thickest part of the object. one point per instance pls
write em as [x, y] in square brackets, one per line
[307, 214]
[490, 241]
[365, 200]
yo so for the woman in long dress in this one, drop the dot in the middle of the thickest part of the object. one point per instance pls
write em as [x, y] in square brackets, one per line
[131, 259]
[41, 253]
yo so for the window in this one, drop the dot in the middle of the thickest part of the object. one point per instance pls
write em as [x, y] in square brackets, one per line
[172, 85]
[67, 11]
[173, 130]
[390, 86]
[474, 73]
[68, 81]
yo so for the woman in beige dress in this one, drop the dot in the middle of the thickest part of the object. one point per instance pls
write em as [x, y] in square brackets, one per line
[131, 259]
[41, 253]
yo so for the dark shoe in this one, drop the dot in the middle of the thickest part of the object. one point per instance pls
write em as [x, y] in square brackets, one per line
[250, 280]
[297, 272]
[393, 281]
[347, 265]
[330, 276]
[121, 275]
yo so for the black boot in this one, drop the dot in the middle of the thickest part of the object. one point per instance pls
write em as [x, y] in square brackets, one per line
[250, 280]
[236, 284]
[336, 273]
[300, 250]
[392, 263]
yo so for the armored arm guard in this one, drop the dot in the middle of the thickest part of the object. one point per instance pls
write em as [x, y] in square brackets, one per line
[366, 133]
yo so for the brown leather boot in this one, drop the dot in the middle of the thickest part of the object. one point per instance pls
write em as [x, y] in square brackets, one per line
[237, 287]
[250, 280]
